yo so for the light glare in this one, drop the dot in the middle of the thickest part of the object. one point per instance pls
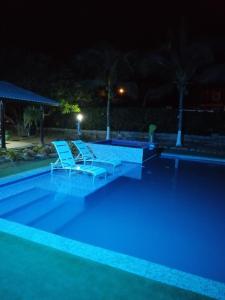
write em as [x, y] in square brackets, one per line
[80, 117]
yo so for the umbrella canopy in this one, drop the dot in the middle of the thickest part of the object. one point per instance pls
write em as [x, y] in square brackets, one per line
[10, 92]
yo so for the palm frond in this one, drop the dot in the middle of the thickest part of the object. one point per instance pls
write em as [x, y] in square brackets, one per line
[31, 115]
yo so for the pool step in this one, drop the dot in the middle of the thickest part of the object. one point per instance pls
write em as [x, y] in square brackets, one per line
[35, 209]
[20, 200]
[59, 216]
[15, 194]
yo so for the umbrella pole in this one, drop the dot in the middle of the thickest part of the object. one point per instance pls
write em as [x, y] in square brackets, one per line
[2, 120]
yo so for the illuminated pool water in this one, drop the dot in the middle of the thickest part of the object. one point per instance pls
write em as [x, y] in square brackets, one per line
[169, 212]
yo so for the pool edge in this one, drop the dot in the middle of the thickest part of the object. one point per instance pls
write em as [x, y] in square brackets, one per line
[117, 260]
[23, 175]
[206, 159]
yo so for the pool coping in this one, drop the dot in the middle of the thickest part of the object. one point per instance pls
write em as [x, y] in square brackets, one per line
[193, 157]
[114, 259]
[140, 267]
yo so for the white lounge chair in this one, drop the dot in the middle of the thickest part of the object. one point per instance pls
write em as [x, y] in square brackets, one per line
[66, 161]
[87, 155]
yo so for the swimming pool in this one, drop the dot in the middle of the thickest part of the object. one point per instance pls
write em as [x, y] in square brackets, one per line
[168, 211]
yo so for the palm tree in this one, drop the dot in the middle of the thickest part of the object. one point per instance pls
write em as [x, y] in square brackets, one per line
[178, 64]
[31, 116]
[106, 68]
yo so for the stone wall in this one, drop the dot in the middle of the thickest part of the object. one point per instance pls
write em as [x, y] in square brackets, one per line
[161, 138]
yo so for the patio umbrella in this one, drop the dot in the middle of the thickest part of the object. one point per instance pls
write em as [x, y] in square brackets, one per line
[10, 92]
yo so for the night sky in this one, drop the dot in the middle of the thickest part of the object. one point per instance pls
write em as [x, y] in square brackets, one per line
[62, 28]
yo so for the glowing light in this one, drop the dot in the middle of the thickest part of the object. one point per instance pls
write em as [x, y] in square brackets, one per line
[80, 117]
[121, 91]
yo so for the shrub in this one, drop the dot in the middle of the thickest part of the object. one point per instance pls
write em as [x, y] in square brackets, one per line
[138, 119]
[8, 135]
[13, 155]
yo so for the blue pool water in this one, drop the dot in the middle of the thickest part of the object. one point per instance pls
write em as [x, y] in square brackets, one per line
[169, 212]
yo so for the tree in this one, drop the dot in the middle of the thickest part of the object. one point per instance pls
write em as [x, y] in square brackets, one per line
[69, 91]
[105, 68]
[31, 117]
[178, 64]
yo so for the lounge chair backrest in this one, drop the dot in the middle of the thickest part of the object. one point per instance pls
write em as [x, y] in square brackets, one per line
[64, 153]
[84, 150]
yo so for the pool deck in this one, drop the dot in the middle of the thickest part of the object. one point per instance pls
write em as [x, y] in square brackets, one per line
[32, 271]
[24, 142]
[139, 267]
[50, 247]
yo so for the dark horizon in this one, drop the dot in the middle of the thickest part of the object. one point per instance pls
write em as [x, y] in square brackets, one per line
[65, 28]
